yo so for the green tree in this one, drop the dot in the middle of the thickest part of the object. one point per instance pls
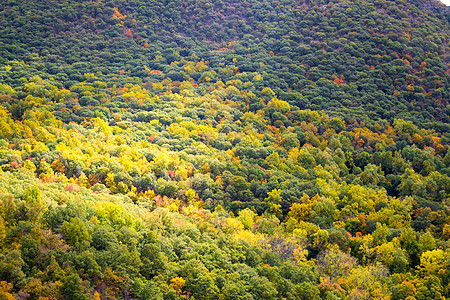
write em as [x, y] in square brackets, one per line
[262, 288]
[306, 291]
[71, 288]
[11, 264]
[75, 231]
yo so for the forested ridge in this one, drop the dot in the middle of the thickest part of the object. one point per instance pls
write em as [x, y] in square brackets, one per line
[224, 150]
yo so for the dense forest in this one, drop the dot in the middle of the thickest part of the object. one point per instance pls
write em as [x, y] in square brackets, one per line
[272, 149]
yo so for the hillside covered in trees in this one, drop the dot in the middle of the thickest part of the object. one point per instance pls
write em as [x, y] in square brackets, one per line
[224, 150]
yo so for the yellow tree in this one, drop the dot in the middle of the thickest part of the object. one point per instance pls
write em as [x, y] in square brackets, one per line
[5, 288]
[177, 284]
[434, 262]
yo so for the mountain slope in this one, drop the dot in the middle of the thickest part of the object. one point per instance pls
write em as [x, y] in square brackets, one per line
[179, 150]
[375, 58]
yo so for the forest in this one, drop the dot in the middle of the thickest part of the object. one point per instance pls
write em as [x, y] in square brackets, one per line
[271, 149]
